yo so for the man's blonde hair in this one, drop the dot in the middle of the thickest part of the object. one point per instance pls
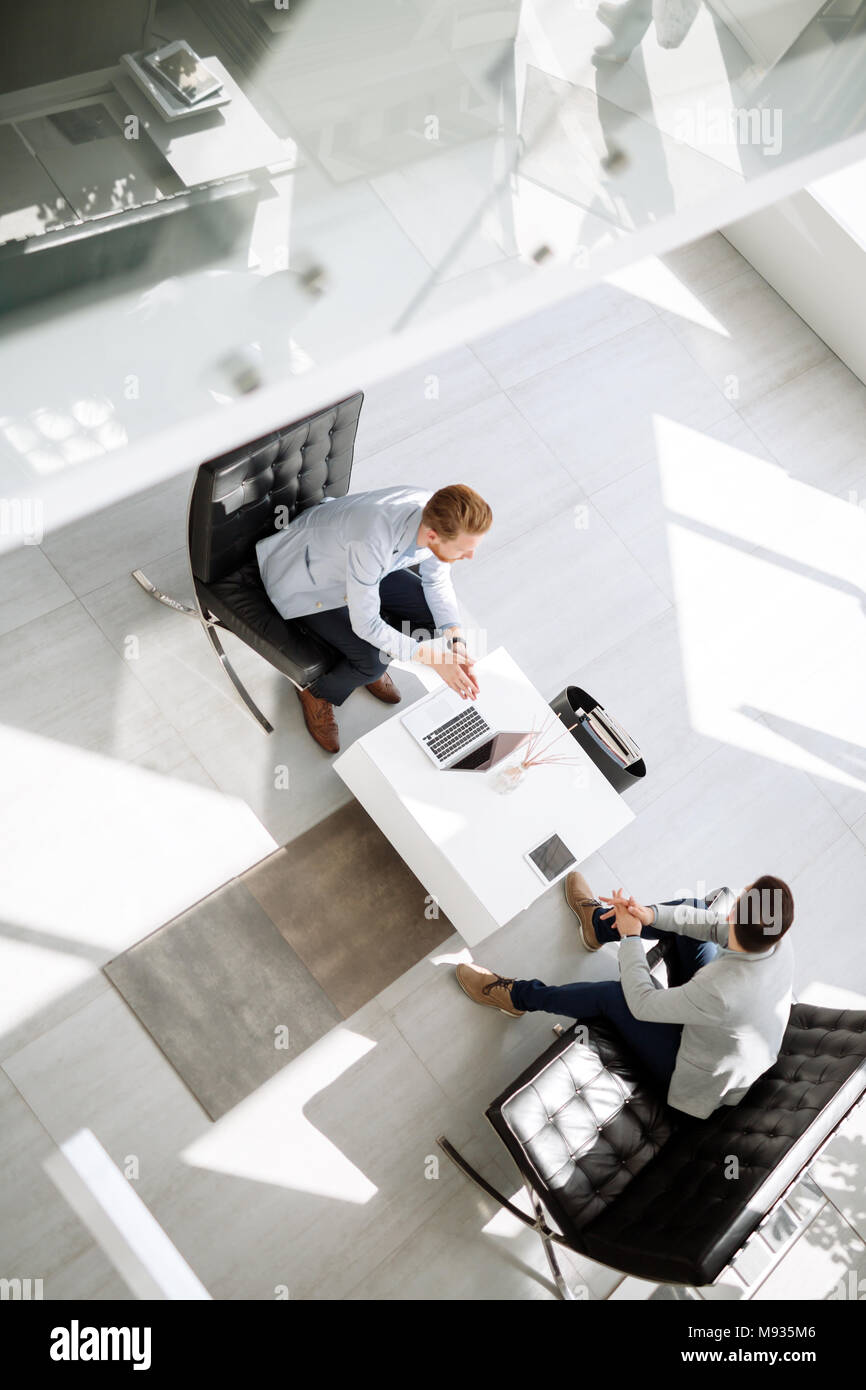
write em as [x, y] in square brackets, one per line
[455, 509]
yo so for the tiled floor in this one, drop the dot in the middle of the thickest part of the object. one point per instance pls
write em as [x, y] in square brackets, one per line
[671, 462]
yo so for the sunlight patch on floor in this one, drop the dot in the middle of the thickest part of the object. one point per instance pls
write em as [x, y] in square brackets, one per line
[268, 1138]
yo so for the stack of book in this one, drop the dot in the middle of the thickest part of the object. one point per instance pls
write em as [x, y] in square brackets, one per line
[176, 81]
[179, 68]
[610, 736]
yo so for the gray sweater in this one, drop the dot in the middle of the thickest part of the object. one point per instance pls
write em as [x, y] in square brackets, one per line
[734, 1011]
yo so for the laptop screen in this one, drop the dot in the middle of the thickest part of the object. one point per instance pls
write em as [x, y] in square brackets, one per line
[489, 753]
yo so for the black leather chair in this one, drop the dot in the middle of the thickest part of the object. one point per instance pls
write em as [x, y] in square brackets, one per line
[236, 500]
[635, 1185]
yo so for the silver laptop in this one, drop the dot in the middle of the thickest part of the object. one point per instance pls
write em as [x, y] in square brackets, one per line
[455, 734]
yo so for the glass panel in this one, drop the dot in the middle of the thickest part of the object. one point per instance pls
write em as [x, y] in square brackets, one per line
[361, 169]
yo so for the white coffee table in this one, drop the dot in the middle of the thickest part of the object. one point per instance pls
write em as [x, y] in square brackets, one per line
[464, 841]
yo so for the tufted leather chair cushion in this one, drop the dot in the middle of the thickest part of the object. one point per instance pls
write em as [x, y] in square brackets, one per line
[686, 1219]
[233, 505]
[585, 1120]
[241, 604]
[236, 495]
[665, 1206]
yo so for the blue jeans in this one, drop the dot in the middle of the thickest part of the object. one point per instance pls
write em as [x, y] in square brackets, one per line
[656, 1043]
[401, 596]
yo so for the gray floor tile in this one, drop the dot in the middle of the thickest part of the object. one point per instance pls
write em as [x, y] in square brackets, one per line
[123, 537]
[29, 587]
[285, 778]
[755, 817]
[654, 711]
[59, 678]
[551, 630]
[813, 424]
[598, 411]
[412, 402]
[491, 448]
[468, 1250]
[556, 334]
[702, 477]
[335, 1153]
[829, 958]
[753, 341]
[169, 653]
[40, 1236]
[706, 263]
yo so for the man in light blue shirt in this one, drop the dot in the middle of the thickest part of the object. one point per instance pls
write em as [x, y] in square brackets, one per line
[343, 567]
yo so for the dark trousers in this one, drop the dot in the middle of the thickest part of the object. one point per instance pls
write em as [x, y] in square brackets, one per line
[402, 600]
[656, 1043]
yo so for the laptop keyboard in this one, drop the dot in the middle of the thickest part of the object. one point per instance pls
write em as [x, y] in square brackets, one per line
[456, 733]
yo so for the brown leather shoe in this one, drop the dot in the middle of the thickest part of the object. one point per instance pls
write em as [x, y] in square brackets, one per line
[483, 987]
[578, 895]
[385, 689]
[319, 719]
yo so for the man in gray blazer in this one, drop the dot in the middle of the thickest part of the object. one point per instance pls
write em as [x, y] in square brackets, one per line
[719, 1024]
[343, 567]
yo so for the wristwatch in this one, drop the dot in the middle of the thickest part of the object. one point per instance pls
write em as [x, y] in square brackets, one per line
[452, 640]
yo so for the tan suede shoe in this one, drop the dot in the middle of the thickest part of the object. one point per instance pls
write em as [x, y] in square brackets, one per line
[578, 895]
[483, 987]
[319, 719]
[385, 689]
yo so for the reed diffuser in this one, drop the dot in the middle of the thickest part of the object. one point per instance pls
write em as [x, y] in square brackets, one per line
[536, 753]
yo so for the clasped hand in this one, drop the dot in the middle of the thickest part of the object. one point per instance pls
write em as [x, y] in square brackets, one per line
[628, 914]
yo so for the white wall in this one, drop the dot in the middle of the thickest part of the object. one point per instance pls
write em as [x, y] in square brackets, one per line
[816, 265]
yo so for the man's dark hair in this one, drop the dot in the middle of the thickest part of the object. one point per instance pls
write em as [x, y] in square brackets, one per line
[763, 913]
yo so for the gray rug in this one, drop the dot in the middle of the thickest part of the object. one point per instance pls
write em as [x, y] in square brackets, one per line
[235, 988]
